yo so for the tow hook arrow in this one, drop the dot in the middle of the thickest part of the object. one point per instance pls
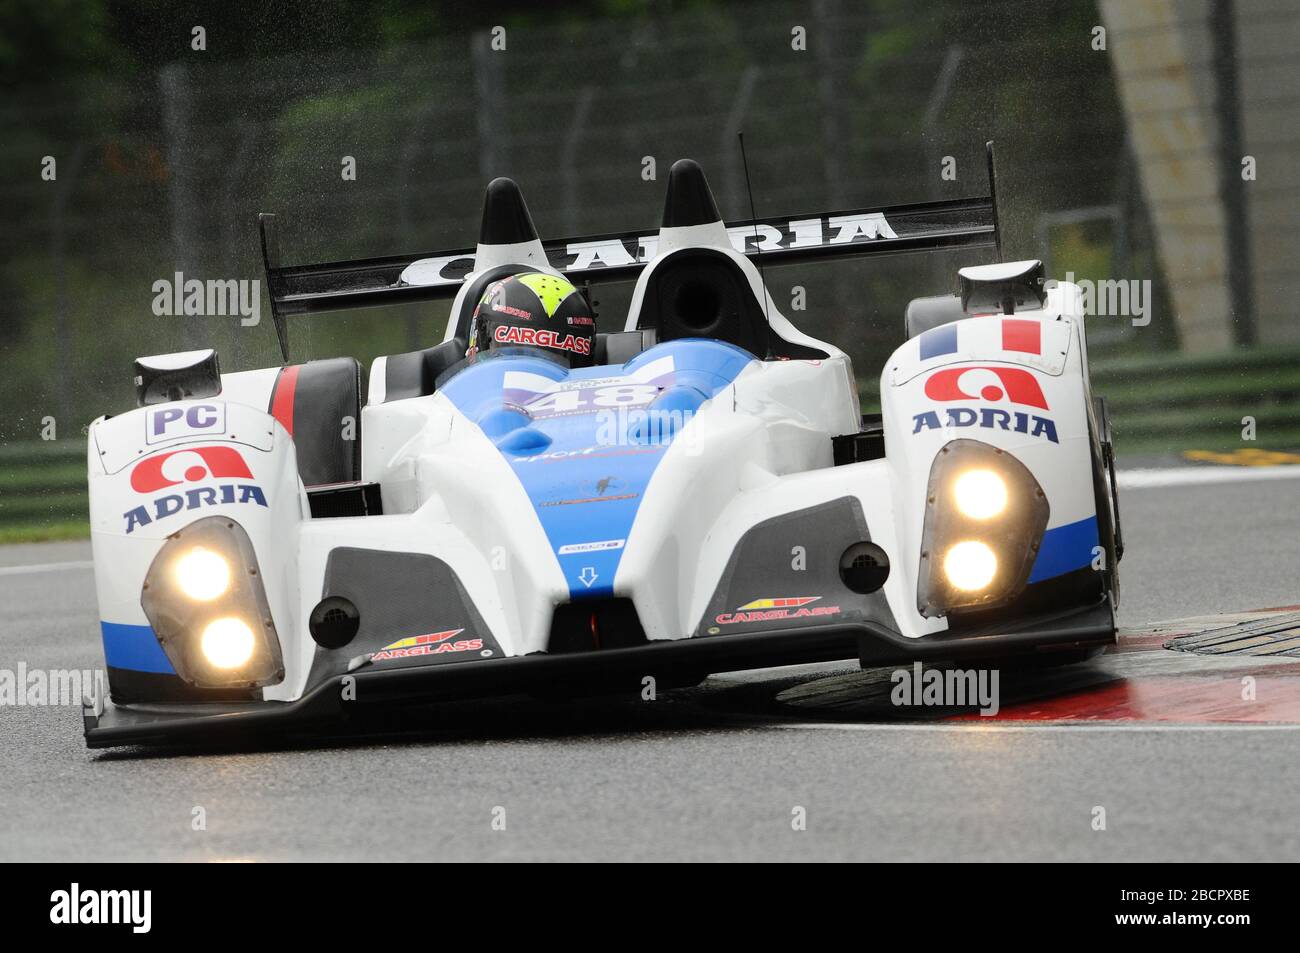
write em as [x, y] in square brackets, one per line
[588, 576]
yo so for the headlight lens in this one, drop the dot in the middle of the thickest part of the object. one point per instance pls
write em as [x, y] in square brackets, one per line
[202, 574]
[204, 597]
[970, 566]
[980, 494]
[985, 515]
[227, 643]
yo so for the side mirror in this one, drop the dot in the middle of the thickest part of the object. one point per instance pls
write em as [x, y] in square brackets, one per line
[1003, 288]
[165, 377]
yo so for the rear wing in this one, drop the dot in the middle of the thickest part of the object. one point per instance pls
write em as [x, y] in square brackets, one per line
[792, 239]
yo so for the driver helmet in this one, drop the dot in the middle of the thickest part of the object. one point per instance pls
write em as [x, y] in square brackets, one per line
[537, 311]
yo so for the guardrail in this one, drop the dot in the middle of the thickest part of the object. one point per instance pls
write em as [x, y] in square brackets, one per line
[1173, 402]
[43, 490]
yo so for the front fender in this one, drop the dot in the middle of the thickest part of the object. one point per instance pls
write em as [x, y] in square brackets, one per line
[1016, 384]
[155, 470]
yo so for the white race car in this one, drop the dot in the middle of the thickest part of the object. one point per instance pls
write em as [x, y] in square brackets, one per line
[279, 548]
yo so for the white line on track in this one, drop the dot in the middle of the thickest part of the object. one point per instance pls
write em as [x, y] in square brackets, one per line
[1021, 727]
[1196, 476]
[44, 567]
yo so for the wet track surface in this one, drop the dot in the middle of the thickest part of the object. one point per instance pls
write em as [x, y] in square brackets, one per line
[1163, 740]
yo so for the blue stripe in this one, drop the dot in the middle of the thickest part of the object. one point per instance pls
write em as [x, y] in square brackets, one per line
[584, 458]
[1065, 549]
[134, 647]
[938, 341]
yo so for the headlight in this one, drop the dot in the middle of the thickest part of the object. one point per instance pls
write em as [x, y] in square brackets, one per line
[227, 643]
[202, 574]
[985, 515]
[204, 597]
[980, 494]
[970, 566]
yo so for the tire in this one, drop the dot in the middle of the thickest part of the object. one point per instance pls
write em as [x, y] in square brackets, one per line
[1106, 495]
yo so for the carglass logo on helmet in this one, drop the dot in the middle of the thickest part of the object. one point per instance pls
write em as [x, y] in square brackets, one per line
[542, 338]
[535, 310]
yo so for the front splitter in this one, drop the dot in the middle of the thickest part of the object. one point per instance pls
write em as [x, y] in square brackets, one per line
[675, 662]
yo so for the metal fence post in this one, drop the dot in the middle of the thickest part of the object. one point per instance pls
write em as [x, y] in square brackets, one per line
[235, 221]
[64, 344]
[489, 88]
[940, 93]
[1227, 108]
[729, 146]
[177, 107]
[569, 158]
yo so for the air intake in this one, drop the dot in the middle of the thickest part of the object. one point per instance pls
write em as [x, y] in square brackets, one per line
[593, 625]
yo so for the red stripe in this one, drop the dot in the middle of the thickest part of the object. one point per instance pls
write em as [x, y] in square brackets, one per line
[1021, 335]
[1169, 698]
[282, 398]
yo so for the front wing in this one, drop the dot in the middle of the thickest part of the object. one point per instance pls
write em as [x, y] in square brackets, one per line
[333, 703]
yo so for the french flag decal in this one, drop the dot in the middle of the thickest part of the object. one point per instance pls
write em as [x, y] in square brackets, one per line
[1022, 335]
[939, 341]
[1017, 334]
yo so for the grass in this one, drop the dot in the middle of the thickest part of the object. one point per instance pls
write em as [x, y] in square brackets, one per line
[44, 532]
[43, 491]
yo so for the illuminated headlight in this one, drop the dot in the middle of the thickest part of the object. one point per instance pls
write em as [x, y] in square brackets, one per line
[227, 643]
[970, 566]
[980, 494]
[202, 574]
[204, 597]
[985, 515]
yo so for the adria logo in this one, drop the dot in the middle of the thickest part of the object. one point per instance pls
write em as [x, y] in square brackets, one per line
[986, 383]
[189, 465]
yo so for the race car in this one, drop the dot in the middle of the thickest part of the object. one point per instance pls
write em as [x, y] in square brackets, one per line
[534, 505]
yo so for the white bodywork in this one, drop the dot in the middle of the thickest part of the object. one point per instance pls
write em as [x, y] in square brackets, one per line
[759, 448]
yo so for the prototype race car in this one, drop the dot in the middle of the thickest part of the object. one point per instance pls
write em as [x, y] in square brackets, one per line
[533, 506]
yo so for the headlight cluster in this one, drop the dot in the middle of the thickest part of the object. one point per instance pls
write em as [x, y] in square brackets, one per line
[980, 493]
[202, 574]
[984, 520]
[206, 602]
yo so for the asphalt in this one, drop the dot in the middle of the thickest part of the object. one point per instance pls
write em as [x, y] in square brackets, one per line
[715, 773]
